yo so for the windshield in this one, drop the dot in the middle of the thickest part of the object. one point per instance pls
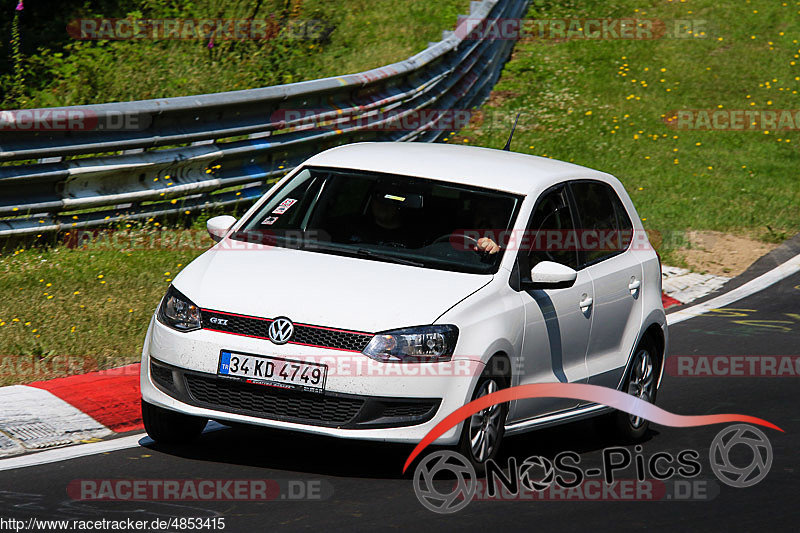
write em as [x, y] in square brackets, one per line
[384, 217]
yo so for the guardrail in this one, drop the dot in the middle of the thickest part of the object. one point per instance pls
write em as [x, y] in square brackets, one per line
[135, 160]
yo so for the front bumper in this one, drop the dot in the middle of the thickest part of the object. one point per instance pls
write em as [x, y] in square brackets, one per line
[346, 411]
[364, 399]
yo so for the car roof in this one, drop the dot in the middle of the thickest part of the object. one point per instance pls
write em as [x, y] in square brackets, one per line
[468, 165]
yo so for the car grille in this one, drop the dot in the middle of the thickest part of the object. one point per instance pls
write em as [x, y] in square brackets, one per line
[306, 334]
[270, 402]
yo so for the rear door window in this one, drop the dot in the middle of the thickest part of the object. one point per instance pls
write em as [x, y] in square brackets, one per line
[604, 226]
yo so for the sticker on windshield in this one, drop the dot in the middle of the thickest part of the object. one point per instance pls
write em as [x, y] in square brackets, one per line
[284, 206]
[270, 220]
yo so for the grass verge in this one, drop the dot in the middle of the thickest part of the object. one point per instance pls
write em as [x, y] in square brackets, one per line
[66, 310]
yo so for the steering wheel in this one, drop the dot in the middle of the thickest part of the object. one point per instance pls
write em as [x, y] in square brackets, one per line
[447, 237]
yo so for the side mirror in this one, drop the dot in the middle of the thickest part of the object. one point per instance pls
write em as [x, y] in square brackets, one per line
[218, 226]
[550, 275]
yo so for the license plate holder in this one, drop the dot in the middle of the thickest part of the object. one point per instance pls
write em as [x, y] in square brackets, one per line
[272, 371]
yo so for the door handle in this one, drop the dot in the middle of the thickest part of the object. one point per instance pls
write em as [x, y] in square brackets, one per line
[634, 285]
[585, 303]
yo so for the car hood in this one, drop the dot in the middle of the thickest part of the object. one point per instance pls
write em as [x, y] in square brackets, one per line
[323, 289]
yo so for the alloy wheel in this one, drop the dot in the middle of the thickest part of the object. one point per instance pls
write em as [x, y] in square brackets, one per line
[484, 426]
[642, 382]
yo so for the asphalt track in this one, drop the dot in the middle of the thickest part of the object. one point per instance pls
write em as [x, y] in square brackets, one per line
[365, 490]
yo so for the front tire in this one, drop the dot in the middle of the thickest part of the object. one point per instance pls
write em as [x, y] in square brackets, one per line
[170, 427]
[641, 381]
[483, 432]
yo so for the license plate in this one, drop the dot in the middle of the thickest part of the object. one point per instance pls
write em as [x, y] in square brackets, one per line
[273, 371]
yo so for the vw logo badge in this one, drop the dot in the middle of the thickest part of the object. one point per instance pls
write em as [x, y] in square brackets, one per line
[281, 330]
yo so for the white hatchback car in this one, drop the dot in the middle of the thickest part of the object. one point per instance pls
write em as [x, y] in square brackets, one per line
[353, 300]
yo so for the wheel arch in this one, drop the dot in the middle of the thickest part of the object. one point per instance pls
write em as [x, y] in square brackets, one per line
[500, 361]
[656, 332]
[656, 329]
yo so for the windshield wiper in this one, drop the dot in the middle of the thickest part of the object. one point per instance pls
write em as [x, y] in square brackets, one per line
[394, 259]
[362, 252]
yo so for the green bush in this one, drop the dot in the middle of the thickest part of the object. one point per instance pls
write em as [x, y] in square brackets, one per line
[360, 34]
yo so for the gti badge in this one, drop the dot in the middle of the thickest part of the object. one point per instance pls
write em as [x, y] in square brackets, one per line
[281, 330]
[220, 321]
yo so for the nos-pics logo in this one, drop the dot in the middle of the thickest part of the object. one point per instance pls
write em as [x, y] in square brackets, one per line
[446, 482]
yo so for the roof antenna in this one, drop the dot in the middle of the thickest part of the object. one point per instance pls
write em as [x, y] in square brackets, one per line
[507, 147]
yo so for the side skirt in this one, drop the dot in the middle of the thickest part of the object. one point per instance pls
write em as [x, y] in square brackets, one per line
[579, 413]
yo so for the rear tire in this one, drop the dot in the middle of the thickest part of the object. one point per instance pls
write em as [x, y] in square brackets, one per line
[170, 427]
[483, 432]
[641, 381]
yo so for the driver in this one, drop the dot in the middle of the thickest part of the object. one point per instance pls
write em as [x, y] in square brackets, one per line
[385, 225]
[486, 219]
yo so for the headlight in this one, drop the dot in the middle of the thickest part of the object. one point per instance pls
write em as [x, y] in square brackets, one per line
[423, 344]
[179, 312]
